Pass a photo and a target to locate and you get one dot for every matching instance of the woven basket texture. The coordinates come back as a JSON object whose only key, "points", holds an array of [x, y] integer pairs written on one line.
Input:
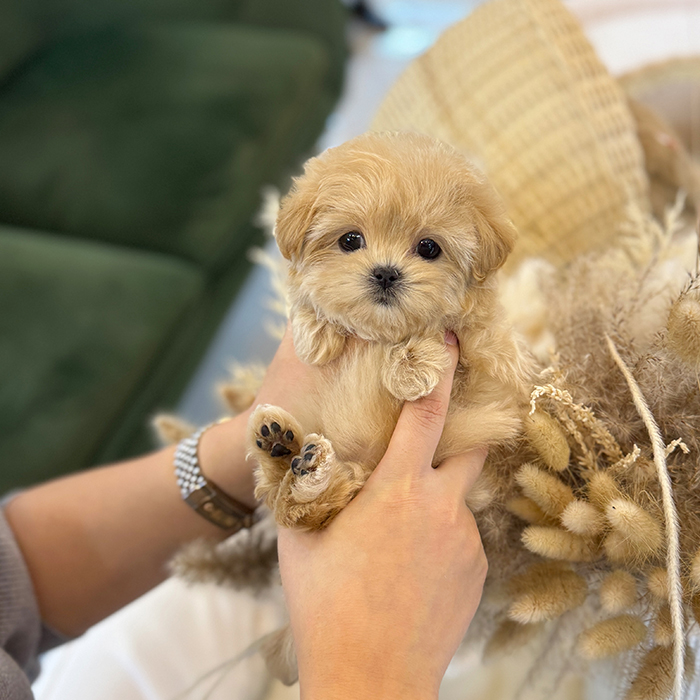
{"points": [[518, 87]]}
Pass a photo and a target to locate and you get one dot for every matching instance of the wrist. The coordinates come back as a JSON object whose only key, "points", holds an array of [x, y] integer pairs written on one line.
{"points": [[324, 677], [222, 459], [360, 685]]}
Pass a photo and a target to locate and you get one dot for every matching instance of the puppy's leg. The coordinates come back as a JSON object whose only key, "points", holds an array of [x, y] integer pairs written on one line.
{"points": [[274, 437], [317, 487], [316, 342], [413, 369], [479, 424]]}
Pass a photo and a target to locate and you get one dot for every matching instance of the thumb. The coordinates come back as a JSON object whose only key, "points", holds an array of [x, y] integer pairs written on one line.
{"points": [[420, 424], [463, 470]]}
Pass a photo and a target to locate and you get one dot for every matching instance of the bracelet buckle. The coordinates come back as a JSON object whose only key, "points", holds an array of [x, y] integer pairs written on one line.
{"points": [[218, 508]]}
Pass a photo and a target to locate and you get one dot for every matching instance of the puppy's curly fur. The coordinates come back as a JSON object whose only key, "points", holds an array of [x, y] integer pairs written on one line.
{"points": [[392, 240]]}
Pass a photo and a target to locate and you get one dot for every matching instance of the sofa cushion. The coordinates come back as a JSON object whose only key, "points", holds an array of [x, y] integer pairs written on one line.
{"points": [[158, 137], [323, 19], [81, 325], [20, 35]]}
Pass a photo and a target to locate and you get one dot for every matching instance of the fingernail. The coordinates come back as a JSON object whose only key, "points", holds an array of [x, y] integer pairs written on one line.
{"points": [[450, 338]]}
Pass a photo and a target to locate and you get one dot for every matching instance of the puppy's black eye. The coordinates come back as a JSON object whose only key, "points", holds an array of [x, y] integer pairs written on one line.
{"points": [[353, 240], [428, 249]]}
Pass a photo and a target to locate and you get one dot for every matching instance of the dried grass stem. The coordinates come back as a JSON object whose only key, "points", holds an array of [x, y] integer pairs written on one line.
{"points": [[673, 552]]}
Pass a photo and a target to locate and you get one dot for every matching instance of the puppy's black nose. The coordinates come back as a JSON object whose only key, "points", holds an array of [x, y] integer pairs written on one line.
{"points": [[386, 276]]}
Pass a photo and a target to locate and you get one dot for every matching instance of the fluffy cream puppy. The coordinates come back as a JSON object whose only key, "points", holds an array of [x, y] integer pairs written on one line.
{"points": [[392, 240]]}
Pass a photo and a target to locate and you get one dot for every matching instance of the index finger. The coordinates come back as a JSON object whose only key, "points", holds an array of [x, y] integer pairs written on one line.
{"points": [[420, 424]]}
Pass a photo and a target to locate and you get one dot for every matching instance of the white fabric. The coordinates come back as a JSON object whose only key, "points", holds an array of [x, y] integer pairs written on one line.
{"points": [[158, 646]]}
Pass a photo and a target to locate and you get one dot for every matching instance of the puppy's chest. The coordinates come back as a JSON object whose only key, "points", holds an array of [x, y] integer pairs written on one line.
{"points": [[356, 412]]}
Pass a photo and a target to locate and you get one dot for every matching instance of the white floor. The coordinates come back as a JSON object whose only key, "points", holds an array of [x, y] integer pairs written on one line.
{"points": [[377, 60]]}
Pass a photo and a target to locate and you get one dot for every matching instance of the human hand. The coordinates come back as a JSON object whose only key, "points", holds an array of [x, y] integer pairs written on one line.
{"points": [[288, 382], [380, 600]]}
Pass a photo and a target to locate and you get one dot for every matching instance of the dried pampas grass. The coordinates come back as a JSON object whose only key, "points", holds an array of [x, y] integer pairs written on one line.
{"points": [[545, 592], [621, 503], [245, 561], [238, 393], [582, 518], [547, 491], [171, 429], [548, 439], [684, 326]]}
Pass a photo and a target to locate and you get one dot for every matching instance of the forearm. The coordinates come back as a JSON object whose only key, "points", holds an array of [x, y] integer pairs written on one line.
{"points": [[97, 540]]}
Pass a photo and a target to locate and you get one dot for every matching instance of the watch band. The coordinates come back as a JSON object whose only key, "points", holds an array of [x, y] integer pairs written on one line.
{"points": [[203, 495]]}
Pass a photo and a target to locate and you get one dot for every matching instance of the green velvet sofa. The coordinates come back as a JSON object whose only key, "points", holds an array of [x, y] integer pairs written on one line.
{"points": [[135, 137]]}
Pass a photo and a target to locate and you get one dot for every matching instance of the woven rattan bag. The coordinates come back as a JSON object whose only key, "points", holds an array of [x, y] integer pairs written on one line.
{"points": [[518, 86]]}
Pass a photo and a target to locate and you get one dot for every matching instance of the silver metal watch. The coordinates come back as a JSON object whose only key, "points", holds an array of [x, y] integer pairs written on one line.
{"points": [[203, 495]]}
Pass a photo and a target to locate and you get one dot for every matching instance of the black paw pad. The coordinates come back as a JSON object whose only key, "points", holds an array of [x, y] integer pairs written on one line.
{"points": [[297, 463], [279, 450], [306, 461], [275, 441]]}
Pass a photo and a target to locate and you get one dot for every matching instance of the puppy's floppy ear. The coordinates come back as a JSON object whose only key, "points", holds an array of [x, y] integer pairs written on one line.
{"points": [[496, 232], [294, 220]]}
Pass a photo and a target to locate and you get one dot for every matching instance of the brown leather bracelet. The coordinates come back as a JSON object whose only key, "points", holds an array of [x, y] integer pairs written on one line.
{"points": [[203, 495]]}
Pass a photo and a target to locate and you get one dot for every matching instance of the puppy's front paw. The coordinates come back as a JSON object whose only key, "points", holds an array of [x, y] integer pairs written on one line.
{"points": [[274, 437], [413, 369], [317, 486], [311, 469]]}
